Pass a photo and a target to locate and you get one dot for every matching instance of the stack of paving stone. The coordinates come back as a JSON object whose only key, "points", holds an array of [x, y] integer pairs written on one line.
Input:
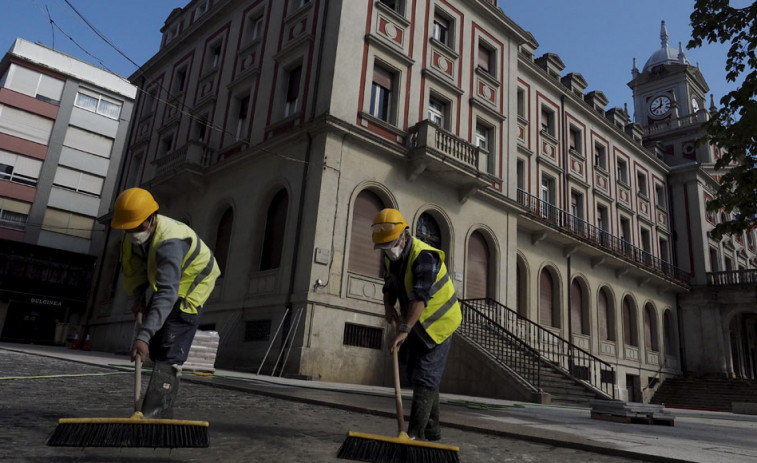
{"points": [[630, 412], [202, 354]]}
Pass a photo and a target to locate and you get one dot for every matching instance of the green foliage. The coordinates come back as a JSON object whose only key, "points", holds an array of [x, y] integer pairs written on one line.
{"points": [[733, 127]]}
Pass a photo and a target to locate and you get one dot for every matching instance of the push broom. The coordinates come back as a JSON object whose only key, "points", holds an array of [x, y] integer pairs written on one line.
{"points": [[383, 449], [136, 431]]}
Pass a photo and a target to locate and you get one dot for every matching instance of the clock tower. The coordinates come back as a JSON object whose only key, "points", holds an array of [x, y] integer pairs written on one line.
{"points": [[669, 98]]}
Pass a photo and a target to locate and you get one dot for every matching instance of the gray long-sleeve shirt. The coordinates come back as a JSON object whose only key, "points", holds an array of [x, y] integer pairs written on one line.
{"points": [[168, 258]]}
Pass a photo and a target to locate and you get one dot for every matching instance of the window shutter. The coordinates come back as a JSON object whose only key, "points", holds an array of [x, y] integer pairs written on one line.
{"points": [[273, 239], [363, 258], [545, 299], [576, 304], [483, 58], [477, 281], [382, 77], [604, 328]]}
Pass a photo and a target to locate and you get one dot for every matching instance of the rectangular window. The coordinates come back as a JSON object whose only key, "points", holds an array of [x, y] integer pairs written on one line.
{"points": [[33, 84], [180, 81], [574, 139], [201, 128], [68, 223], [293, 91], [437, 112], [600, 156], [520, 168], [441, 29], [13, 213], [19, 169], [603, 223], [96, 103], [214, 56], [362, 336], [88, 142], [396, 5], [80, 182], [485, 60], [166, 146], [625, 234], [243, 104], [26, 125], [664, 251], [622, 171], [660, 195], [255, 25], [482, 137], [382, 94], [548, 121], [646, 245], [641, 183], [521, 103]]}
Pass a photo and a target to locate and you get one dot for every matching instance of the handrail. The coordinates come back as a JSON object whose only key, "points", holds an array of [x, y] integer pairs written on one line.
{"points": [[583, 230], [549, 346], [506, 348]]}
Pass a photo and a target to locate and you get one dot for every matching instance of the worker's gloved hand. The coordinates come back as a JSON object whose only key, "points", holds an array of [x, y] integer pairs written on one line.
{"points": [[139, 348]]}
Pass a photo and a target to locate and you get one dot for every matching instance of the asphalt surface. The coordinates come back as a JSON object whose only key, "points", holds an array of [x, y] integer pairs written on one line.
{"points": [[263, 419]]}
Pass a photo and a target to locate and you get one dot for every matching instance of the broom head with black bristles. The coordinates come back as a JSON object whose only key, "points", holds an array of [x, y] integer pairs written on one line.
{"points": [[382, 449], [136, 431]]}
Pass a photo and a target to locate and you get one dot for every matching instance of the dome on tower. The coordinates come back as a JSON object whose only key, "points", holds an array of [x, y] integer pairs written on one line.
{"points": [[666, 54]]}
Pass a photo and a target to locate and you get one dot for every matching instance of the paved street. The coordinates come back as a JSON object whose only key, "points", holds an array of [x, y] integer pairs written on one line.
{"points": [[244, 426]]}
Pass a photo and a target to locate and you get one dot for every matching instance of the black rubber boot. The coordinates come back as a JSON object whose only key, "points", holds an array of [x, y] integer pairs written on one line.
{"points": [[433, 431], [423, 402], [161, 392]]}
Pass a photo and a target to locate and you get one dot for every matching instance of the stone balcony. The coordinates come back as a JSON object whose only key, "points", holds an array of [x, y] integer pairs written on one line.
{"points": [[193, 156], [450, 158]]}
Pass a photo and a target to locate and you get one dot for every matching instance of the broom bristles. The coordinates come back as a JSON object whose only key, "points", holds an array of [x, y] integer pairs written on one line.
{"points": [[382, 449], [129, 432]]}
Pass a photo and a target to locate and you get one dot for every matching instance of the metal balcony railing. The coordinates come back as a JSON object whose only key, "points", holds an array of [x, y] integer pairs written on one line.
{"points": [[524, 345], [579, 228], [732, 277]]}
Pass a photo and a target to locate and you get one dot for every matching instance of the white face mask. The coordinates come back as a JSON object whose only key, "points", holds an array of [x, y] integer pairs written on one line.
{"points": [[140, 238], [394, 253]]}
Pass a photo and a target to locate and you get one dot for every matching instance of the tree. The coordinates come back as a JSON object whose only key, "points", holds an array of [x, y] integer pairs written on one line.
{"points": [[733, 127]]}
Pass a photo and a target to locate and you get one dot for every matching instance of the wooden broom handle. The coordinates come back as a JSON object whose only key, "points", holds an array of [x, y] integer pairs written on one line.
{"points": [[397, 392], [138, 372]]}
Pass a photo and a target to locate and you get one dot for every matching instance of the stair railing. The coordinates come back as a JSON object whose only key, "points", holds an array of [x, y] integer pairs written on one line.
{"points": [[543, 343]]}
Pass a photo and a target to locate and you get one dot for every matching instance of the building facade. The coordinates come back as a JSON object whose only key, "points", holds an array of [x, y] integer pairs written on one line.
{"points": [[277, 129], [63, 125]]}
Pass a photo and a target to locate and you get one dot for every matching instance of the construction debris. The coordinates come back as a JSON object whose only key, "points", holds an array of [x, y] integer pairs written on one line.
{"points": [[202, 354]]}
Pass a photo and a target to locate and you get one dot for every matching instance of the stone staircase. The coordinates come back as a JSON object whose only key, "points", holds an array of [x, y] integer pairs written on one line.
{"points": [[705, 394], [563, 389]]}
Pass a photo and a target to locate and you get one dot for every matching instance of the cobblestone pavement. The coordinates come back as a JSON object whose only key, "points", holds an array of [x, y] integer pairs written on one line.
{"points": [[244, 427]]}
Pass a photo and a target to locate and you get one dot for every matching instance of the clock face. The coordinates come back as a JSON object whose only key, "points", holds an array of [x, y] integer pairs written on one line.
{"points": [[659, 106]]}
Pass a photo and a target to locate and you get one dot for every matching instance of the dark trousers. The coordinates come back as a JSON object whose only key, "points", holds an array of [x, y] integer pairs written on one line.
{"points": [[172, 341], [424, 365]]}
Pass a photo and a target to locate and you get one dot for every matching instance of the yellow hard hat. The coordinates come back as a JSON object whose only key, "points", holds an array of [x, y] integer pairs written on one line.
{"points": [[133, 206], [388, 225]]}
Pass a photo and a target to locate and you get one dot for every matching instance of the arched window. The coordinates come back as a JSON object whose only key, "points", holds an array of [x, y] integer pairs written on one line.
{"points": [[578, 315], [223, 237], [477, 267], [548, 308], [273, 237], [363, 258], [427, 230], [630, 335], [650, 329], [606, 317]]}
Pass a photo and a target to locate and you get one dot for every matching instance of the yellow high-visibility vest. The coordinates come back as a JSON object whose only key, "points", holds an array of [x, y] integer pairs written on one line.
{"points": [[199, 269], [442, 314]]}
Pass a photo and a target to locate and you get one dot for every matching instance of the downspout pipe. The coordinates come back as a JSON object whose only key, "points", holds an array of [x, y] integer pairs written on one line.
{"points": [[566, 207]]}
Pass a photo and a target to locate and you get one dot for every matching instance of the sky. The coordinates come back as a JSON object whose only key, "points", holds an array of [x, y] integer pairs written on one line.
{"points": [[596, 38]]}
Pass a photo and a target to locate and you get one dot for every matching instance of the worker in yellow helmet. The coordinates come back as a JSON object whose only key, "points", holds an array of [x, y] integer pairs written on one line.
{"points": [[416, 276], [168, 259]]}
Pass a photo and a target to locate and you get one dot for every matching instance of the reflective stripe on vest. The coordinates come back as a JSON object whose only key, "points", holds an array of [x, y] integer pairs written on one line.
{"points": [[442, 315]]}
